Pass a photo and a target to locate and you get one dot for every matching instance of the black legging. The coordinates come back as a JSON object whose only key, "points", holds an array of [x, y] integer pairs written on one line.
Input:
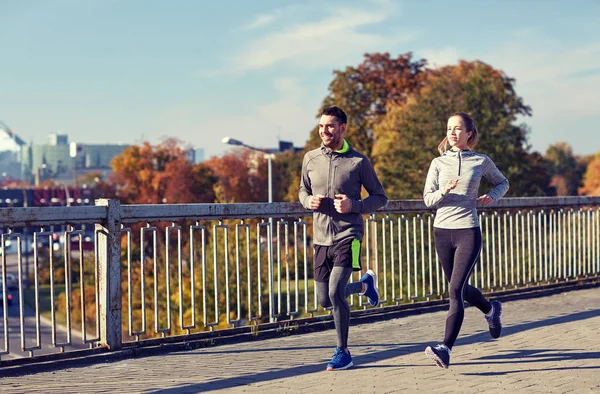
{"points": [[458, 251]]}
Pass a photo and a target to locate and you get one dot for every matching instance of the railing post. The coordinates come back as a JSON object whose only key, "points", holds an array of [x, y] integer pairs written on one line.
{"points": [[109, 267]]}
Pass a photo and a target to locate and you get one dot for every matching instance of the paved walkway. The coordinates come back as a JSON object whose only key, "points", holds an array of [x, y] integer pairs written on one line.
{"points": [[549, 345]]}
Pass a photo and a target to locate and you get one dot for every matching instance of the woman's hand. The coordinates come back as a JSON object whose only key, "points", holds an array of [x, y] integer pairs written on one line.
{"points": [[450, 185], [485, 200]]}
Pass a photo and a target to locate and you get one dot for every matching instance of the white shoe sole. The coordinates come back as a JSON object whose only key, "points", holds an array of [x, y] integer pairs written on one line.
{"points": [[431, 354], [340, 369], [374, 276]]}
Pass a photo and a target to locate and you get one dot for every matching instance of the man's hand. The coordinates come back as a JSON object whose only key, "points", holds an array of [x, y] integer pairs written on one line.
{"points": [[485, 200], [342, 203], [315, 201]]}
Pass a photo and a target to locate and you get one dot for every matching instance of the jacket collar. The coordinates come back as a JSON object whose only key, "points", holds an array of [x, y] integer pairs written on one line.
{"points": [[346, 147], [454, 153]]}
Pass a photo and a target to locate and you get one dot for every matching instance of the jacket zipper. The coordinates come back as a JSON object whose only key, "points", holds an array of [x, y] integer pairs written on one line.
{"points": [[330, 229]]}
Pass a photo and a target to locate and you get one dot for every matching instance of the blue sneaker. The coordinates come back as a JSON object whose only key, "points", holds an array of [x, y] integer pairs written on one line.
{"points": [[372, 293], [340, 360]]}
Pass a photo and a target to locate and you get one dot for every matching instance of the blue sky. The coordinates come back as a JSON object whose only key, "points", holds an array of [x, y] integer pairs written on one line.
{"points": [[126, 71]]}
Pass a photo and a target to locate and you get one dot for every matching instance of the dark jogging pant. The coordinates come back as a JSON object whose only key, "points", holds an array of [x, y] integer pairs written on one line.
{"points": [[458, 251]]}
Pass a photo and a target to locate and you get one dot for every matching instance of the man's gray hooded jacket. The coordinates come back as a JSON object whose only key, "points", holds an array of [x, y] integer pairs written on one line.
{"points": [[328, 173]]}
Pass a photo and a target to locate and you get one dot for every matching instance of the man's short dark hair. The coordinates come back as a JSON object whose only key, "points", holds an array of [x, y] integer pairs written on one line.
{"points": [[336, 112]]}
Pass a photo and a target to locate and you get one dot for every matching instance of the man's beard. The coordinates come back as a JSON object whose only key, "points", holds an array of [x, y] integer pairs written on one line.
{"points": [[333, 142]]}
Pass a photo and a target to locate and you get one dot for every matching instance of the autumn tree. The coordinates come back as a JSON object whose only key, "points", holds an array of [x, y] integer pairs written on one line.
{"points": [[591, 178], [242, 176], [158, 174], [365, 91], [153, 174], [408, 136], [9, 183]]}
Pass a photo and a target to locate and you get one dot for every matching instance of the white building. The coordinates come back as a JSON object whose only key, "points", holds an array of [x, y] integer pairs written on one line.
{"points": [[60, 158], [10, 153]]}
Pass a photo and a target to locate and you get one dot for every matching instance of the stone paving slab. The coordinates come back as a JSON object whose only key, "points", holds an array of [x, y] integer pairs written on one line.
{"points": [[548, 345]]}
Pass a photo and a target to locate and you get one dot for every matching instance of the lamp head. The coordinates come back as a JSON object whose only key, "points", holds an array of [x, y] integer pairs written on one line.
{"points": [[231, 141]]}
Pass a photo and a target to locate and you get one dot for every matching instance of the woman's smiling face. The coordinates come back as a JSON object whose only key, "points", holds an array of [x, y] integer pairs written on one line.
{"points": [[457, 133]]}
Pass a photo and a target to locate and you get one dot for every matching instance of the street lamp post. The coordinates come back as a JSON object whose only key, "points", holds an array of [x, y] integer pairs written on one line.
{"points": [[269, 156], [270, 177], [40, 174]]}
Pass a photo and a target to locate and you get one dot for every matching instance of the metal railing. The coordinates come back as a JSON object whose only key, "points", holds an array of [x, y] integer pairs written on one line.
{"points": [[155, 271]]}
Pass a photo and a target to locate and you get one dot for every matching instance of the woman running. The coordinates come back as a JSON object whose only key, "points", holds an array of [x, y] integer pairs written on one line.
{"points": [[452, 185]]}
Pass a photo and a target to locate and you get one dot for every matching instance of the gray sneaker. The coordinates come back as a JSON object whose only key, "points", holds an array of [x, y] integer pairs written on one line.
{"points": [[440, 354], [494, 320]]}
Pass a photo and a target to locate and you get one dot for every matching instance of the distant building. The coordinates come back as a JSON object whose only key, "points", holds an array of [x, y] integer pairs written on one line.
{"points": [[196, 155], [56, 139], [286, 146], [10, 153], [59, 159], [282, 146], [100, 156]]}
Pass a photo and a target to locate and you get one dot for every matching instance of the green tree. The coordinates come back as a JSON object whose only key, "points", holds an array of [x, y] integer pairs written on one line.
{"points": [[289, 166], [566, 169], [408, 136]]}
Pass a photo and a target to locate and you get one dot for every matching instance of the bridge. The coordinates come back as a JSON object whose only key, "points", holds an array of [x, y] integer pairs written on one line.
{"points": [[540, 256]]}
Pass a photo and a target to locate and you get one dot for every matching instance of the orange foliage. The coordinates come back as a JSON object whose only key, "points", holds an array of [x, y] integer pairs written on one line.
{"points": [[366, 91], [591, 178], [242, 176], [162, 173]]}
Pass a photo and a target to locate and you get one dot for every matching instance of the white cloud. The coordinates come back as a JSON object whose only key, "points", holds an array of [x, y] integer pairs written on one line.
{"points": [[262, 20], [315, 44]]}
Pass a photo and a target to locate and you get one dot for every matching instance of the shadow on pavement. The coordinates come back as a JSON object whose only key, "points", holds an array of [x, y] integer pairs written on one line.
{"points": [[396, 350], [536, 356]]}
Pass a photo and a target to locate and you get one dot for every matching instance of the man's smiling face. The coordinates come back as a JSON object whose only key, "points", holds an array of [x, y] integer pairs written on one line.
{"points": [[332, 132]]}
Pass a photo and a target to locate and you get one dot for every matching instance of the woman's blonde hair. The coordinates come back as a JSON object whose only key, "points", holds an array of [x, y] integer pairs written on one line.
{"points": [[470, 125]]}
